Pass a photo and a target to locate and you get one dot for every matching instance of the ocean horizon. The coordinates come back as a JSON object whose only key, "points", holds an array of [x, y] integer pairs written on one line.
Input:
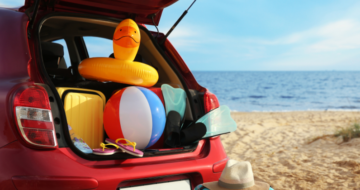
{"points": [[264, 91]]}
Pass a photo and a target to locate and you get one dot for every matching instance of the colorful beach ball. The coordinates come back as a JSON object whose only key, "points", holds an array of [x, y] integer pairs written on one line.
{"points": [[136, 114]]}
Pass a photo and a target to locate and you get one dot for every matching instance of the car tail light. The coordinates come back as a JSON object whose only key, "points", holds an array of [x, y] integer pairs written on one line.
{"points": [[33, 116], [210, 101]]}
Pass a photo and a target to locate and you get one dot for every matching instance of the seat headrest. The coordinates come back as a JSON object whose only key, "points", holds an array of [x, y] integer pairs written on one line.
{"points": [[51, 53], [52, 49]]}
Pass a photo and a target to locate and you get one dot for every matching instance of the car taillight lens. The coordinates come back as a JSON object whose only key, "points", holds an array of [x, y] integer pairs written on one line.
{"points": [[210, 101], [33, 116]]}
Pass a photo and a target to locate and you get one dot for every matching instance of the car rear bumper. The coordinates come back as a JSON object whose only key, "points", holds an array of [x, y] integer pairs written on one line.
{"points": [[60, 168]]}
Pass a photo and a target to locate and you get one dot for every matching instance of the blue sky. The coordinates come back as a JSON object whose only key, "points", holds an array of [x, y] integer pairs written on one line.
{"points": [[263, 35]]}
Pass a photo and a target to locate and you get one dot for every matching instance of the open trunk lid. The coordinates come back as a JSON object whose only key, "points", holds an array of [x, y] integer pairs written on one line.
{"points": [[139, 10]]}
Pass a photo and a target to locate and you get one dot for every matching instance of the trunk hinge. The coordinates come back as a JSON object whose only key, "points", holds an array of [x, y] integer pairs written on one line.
{"points": [[33, 9]]}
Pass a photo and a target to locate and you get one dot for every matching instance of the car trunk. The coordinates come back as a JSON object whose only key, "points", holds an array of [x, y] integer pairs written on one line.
{"points": [[145, 12], [72, 29]]}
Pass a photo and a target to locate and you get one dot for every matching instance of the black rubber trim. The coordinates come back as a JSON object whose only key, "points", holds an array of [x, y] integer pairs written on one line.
{"points": [[55, 111], [62, 116]]}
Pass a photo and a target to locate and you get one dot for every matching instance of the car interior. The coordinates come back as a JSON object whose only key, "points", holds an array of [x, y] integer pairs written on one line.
{"points": [[72, 30]]}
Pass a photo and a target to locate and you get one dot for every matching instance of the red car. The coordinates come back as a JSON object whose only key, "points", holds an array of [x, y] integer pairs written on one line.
{"points": [[41, 155]]}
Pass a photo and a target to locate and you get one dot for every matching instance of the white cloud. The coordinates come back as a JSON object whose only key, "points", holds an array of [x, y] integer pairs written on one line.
{"points": [[186, 38], [329, 46], [339, 35]]}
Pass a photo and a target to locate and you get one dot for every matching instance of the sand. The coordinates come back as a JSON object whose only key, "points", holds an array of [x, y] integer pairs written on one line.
{"points": [[277, 145]]}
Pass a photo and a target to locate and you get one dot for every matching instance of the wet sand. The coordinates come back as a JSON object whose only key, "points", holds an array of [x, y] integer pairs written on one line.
{"points": [[283, 153]]}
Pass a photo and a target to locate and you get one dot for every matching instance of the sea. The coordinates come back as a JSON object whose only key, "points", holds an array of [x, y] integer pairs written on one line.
{"points": [[264, 91]]}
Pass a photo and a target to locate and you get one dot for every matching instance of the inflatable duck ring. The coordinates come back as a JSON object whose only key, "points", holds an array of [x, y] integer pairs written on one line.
{"points": [[122, 69]]}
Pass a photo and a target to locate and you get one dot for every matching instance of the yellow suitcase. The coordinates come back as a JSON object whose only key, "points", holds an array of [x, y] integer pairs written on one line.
{"points": [[84, 113]]}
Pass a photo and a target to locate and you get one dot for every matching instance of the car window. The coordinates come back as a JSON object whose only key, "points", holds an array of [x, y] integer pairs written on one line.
{"points": [[98, 47], [66, 51]]}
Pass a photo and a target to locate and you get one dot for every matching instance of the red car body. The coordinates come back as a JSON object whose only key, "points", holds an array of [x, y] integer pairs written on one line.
{"points": [[25, 167]]}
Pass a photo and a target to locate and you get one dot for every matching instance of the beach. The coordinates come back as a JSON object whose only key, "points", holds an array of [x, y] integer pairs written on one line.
{"points": [[284, 152]]}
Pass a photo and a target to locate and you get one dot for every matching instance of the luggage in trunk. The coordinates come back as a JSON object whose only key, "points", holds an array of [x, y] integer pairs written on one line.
{"points": [[84, 112]]}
